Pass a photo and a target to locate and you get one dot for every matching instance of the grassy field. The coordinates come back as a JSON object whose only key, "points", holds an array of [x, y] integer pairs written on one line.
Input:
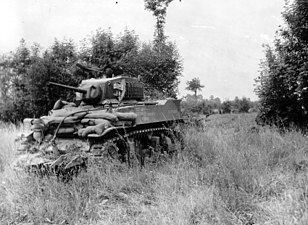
{"points": [[231, 172]]}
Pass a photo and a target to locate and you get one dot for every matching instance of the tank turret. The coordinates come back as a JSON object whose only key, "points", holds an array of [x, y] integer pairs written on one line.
{"points": [[111, 90]]}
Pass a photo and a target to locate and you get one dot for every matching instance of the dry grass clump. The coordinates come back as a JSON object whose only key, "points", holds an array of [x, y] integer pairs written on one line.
{"points": [[251, 166], [232, 172]]}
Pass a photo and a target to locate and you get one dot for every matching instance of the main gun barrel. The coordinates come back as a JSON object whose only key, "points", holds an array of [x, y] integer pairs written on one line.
{"points": [[69, 87]]}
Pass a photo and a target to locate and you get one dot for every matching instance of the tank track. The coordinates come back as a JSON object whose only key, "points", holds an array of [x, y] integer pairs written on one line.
{"points": [[138, 135], [130, 154], [125, 154]]}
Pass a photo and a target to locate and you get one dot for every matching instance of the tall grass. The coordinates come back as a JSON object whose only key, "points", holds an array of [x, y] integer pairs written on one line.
{"points": [[231, 172]]}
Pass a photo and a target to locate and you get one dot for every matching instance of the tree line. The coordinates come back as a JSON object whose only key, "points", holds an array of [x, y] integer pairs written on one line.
{"points": [[192, 104], [282, 85], [197, 105], [25, 73]]}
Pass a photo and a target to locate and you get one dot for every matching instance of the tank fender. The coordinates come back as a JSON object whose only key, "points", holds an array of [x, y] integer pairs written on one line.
{"points": [[107, 131]]}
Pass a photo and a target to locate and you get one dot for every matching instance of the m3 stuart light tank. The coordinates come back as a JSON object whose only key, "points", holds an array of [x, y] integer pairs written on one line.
{"points": [[112, 120]]}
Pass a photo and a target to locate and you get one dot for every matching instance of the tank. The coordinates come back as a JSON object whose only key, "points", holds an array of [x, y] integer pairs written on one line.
{"points": [[110, 119]]}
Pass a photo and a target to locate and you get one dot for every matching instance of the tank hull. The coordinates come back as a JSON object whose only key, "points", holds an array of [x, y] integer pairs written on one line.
{"points": [[64, 140]]}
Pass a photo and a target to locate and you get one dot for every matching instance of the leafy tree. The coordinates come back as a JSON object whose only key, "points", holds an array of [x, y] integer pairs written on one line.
{"points": [[283, 82], [104, 55], [128, 45], [226, 106], [194, 85], [5, 79], [111, 56], [160, 71], [59, 59], [244, 105], [124, 54], [19, 64], [37, 88], [162, 63], [159, 9], [54, 66], [25, 90]]}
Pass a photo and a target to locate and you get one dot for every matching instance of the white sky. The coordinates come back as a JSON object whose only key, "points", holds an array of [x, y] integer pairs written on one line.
{"points": [[220, 41]]}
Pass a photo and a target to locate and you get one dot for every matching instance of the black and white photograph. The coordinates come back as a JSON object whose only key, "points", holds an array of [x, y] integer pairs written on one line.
{"points": [[154, 112]]}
